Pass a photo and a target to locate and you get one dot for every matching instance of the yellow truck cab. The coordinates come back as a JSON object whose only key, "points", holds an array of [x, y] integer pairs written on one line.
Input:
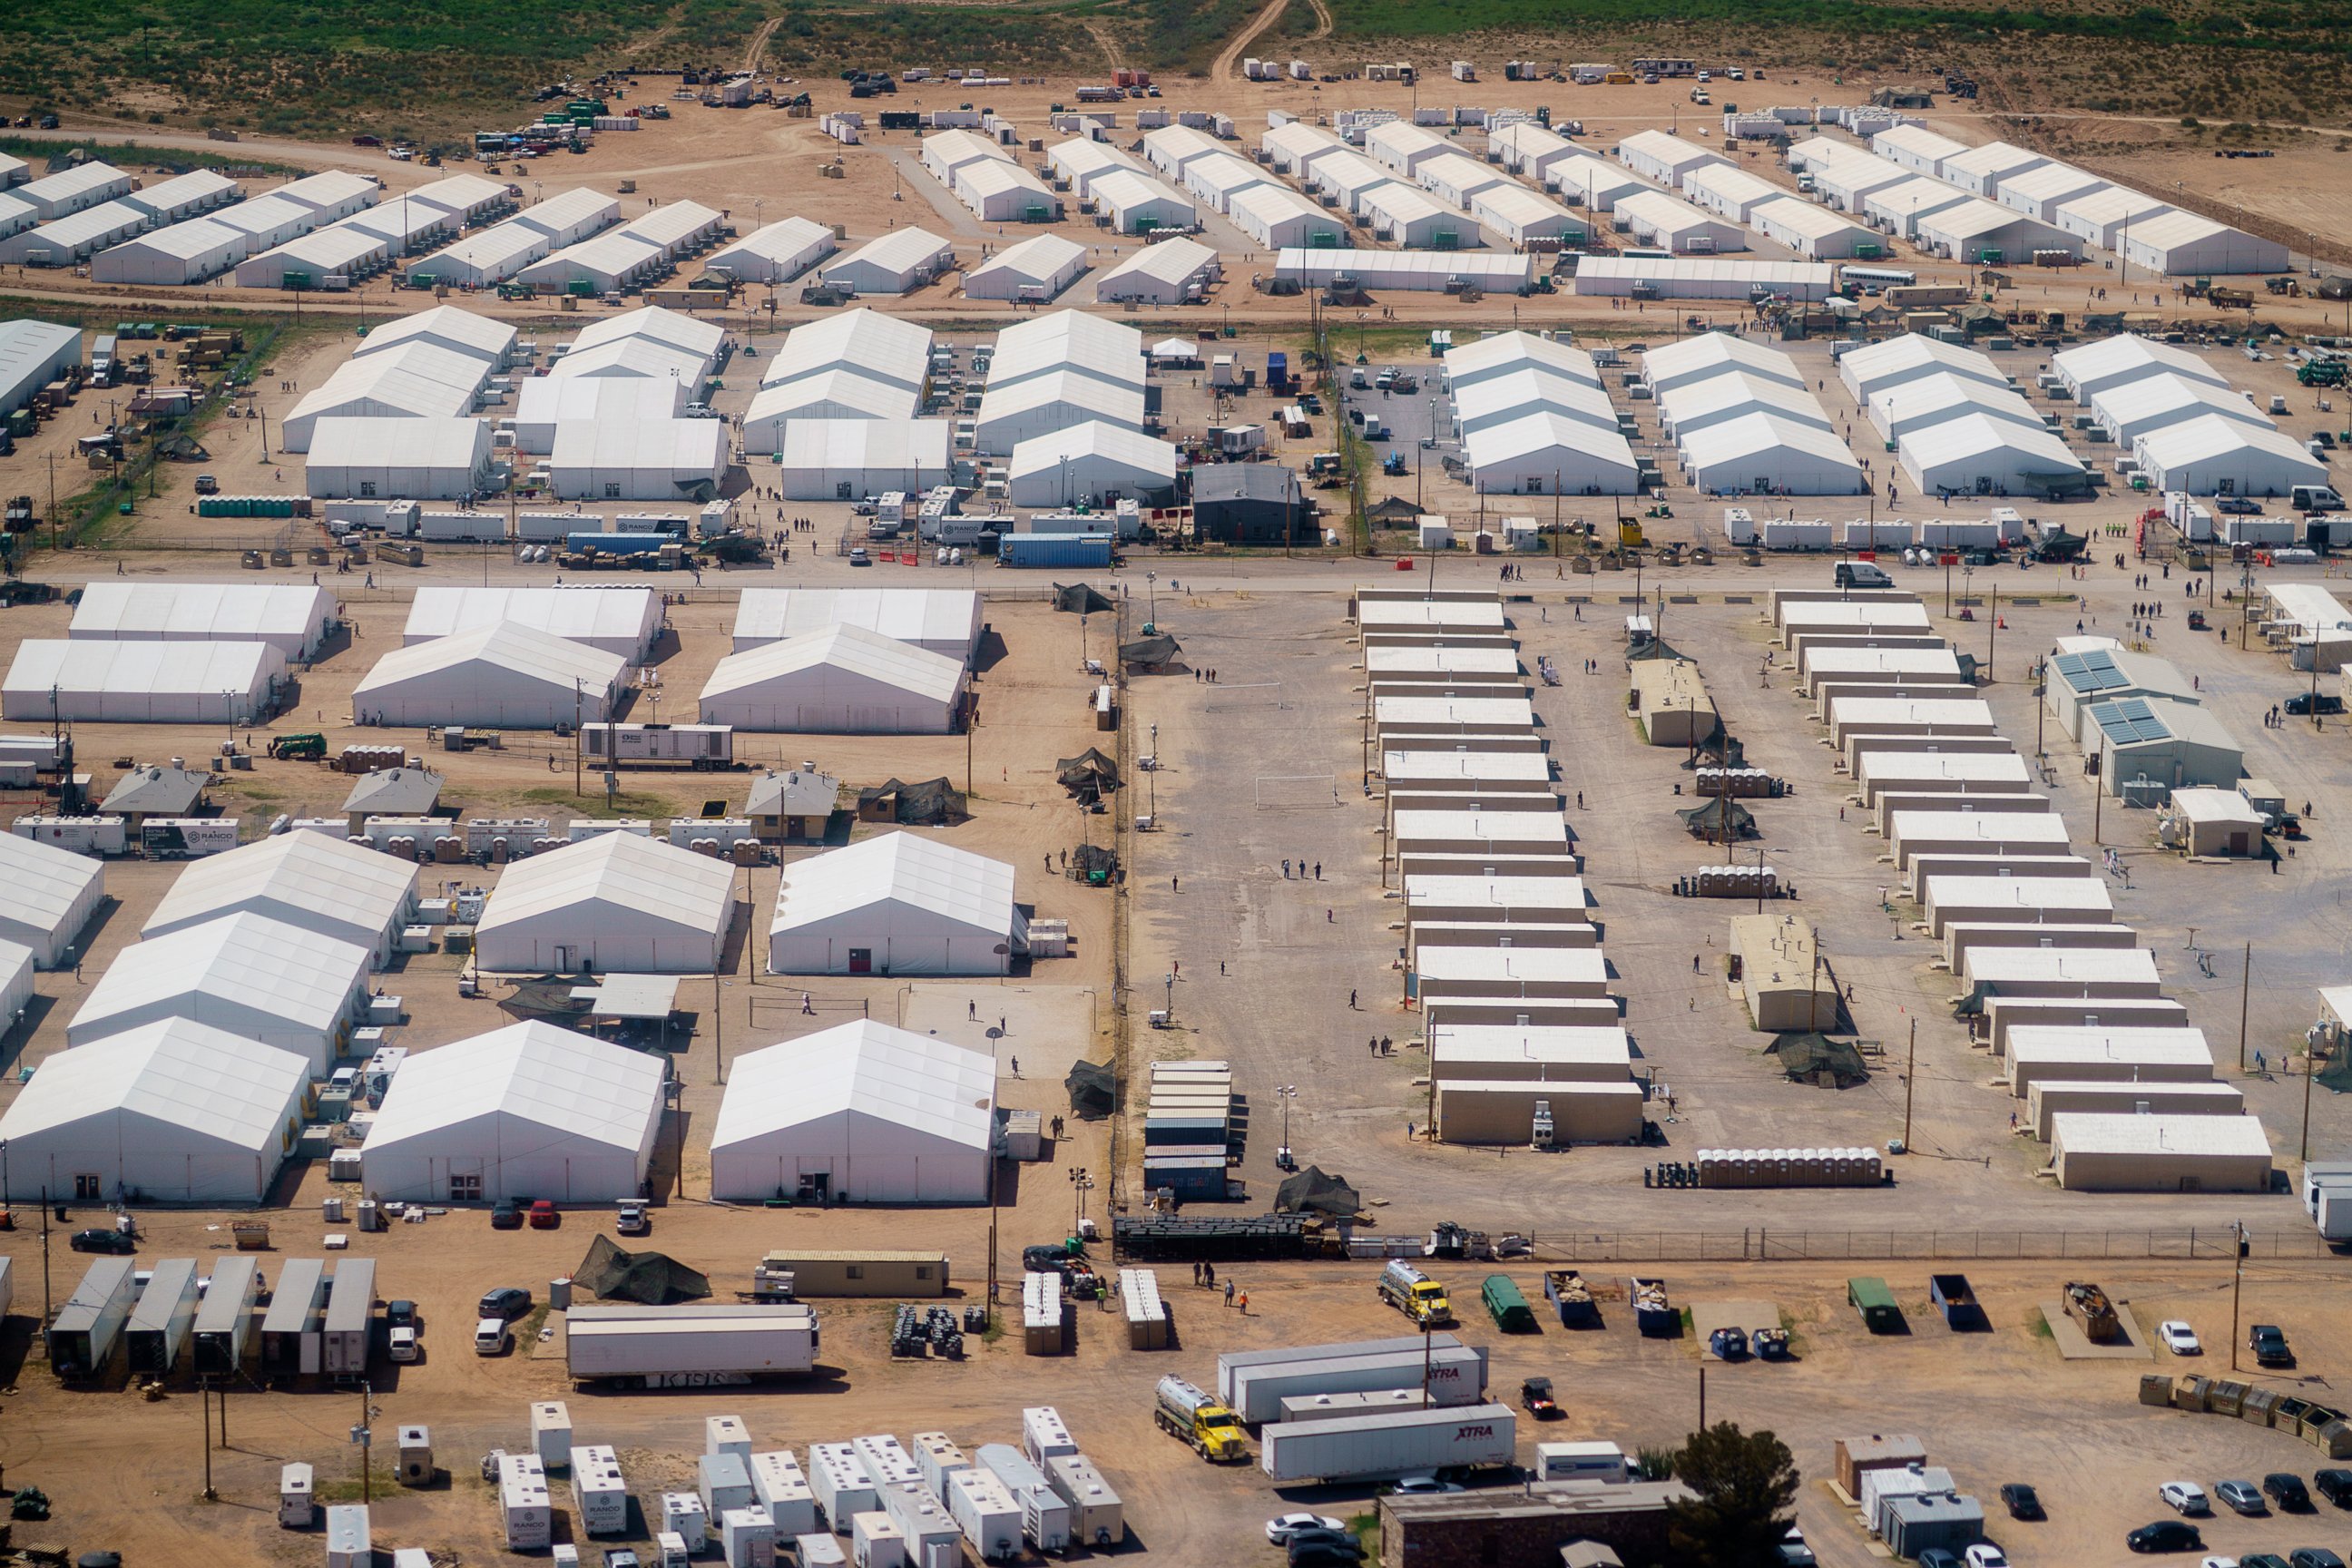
{"points": [[1415, 1294]]}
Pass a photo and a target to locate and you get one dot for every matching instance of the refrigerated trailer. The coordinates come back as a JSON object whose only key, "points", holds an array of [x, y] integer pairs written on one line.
{"points": [[289, 1331], [1454, 1374], [1382, 1447], [225, 1320], [82, 1339], [161, 1322], [685, 1347], [351, 1320], [1236, 1366]]}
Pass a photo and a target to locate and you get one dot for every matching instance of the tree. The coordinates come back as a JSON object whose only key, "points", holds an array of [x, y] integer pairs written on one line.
{"points": [[1745, 1484]]}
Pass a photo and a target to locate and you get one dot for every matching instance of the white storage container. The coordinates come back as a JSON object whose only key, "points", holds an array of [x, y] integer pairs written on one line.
{"points": [[986, 1513], [747, 1538], [722, 1481], [727, 1435], [820, 1552], [932, 1538], [669, 1549], [937, 1458], [550, 1433], [1042, 1435], [298, 1502], [522, 1498], [350, 1544], [1098, 1518], [838, 1478], [563, 1554], [600, 1496], [684, 1512], [1044, 1517], [783, 1491], [876, 1542]]}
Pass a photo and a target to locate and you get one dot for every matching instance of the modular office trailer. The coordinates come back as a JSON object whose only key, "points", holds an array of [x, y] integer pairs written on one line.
{"points": [[225, 1320], [783, 1491], [289, 1334], [82, 1339], [987, 1514], [528, 1514], [886, 1460], [1382, 1447], [351, 1320], [933, 1539], [160, 1324], [838, 1478]]}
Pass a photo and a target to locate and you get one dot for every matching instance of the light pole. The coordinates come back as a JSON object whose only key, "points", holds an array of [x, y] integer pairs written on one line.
{"points": [[2238, 1237], [1152, 598], [1081, 1183], [1154, 785], [1287, 1092]]}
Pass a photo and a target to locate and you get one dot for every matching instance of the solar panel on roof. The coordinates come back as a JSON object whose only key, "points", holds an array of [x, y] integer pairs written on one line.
{"points": [[2129, 722], [2092, 671]]}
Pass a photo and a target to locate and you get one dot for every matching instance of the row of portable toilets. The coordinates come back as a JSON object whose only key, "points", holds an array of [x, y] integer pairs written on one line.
{"points": [[1790, 1167]]}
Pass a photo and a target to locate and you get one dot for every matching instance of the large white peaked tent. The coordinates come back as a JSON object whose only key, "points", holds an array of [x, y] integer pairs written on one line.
{"points": [[170, 1110], [615, 903], [322, 884], [504, 677], [898, 904], [16, 983], [624, 621], [944, 620], [247, 974], [99, 681], [530, 1110], [861, 1113], [839, 679], [52, 893], [290, 617]]}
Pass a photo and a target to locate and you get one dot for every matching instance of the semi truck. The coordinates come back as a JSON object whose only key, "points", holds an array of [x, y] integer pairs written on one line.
{"points": [[1187, 1412], [1385, 1446], [1414, 1293], [690, 1346]]}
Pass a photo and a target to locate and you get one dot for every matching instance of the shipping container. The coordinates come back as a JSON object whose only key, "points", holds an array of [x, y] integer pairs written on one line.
{"points": [[1580, 1462], [1382, 1447], [290, 1328], [1053, 550], [81, 834], [987, 1514], [682, 1512], [82, 1338], [351, 1320], [838, 1478], [876, 1540], [187, 837], [782, 1489], [862, 1272], [600, 1496], [1869, 1295], [1098, 1518], [684, 1346], [1232, 1364], [225, 1320], [161, 1322]]}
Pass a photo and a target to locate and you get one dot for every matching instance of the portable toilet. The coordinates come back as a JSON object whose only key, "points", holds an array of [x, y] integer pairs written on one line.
{"points": [[298, 1503], [348, 1541], [416, 1456]]}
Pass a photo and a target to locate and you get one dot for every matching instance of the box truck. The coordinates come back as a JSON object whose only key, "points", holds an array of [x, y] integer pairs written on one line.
{"points": [[1384, 1446], [688, 1346], [166, 1312], [82, 1338]]}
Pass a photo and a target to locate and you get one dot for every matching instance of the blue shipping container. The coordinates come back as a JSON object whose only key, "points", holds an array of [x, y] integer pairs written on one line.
{"points": [[1187, 1178], [618, 544], [1053, 550]]}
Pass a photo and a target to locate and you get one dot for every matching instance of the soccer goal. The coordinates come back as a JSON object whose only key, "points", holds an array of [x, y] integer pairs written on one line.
{"points": [[1297, 791]]}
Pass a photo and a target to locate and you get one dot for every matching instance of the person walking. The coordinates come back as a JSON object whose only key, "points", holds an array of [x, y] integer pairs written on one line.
{"points": [[1229, 1292], [1245, 1303], [1352, 1000]]}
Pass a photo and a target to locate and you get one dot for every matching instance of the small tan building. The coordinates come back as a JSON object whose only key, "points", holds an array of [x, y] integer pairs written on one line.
{"points": [[2095, 1152], [907, 1274], [1957, 713], [1529, 973], [2210, 822], [2086, 974], [1503, 1110], [1669, 702], [1782, 973], [2003, 1013], [1539, 1053], [2079, 1053], [1913, 833], [2050, 1098], [2015, 901], [1941, 772]]}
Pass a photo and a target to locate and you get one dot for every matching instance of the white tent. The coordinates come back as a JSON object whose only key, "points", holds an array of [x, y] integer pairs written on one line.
{"points": [[1849, 182], [445, 327], [416, 379], [624, 621], [1218, 180], [1695, 359], [545, 404], [841, 460], [2040, 193], [859, 1113], [1770, 453], [186, 252], [1532, 388], [1414, 220], [616, 902], [898, 904], [2104, 217], [950, 151], [1515, 215], [1427, 272], [2092, 368], [613, 458], [776, 254], [1136, 203], [1171, 148], [1093, 462], [1932, 399], [1457, 179], [398, 459], [52, 893], [898, 262], [1546, 453], [606, 262], [331, 192], [480, 260], [1980, 171], [1035, 270], [1811, 230], [1276, 217], [840, 680], [2218, 455], [290, 617], [1001, 191], [2180, 244], [142, 682], [1167, 273], [838, 395], [529, 1111], [940, 620], [1291, 146], [571, 217], [16, 983], [260, 978], [502, 677], [1917, 148], [320, 883], [1984, 233], [1056, 400], [1593, 183], [1729, 191], [2139, 407], [173, 1111], [1868, 372], [1657, 155], [1082, 160], [1977, 453], [1402, 147], [1093, 345], [1347, 178], [878, 347], [1501, 353], [312, 259], [1900, 208]]}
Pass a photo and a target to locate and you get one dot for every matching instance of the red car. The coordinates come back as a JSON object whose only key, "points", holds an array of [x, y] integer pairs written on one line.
{"points": [[543, 1216]]}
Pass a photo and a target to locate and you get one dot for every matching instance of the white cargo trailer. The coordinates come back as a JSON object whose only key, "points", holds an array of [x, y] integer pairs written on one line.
{"points": [[600, 1495], [550, 1433], [683, 1512], [933, 1539], [986, 1513], [722, 1481], [887, 1461], [297, 1500], [1456, 1375], [876, 1541], [1233, 1363], [526, 1512], [1044, 1434], [839, 1479], [1382, 1447], [783, 1491], [350, 1543], [162, 1321], [937, 1456], [350, 1319], [747, 1538], [682, 1347], [727, 1435], [82, 1338], [290, 1335], [819, 1551], [1044, 1517], [1096, 1515]]}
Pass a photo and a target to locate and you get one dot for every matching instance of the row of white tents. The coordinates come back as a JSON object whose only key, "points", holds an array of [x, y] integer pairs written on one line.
{"points": [[1743, 420], [1533, 419]]}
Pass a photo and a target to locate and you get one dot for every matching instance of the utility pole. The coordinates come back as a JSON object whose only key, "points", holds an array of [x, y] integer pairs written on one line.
{"points": [[1910, 1083], [1702, 1396], [2310, 1071], [1992, 630], [1426, 1326], [365, 1439], [2245, 994], [579, 695], [47, 1309], [2237, 1282], [204, 1392]]}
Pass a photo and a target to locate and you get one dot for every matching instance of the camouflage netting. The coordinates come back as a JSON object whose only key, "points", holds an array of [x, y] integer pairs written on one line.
{"points": [[1079, 599], [1088, 775], [1314, 1191], [1089, 1084], [1151, 652], [1720, 817], [648, 1279], [1816, 1058], [933, 803]]}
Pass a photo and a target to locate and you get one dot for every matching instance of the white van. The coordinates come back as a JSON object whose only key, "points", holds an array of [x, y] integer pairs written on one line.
{"points": [[492, 1337]]}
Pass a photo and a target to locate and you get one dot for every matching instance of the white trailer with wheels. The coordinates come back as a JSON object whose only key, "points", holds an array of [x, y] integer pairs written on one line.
{"points": [[987, 1514], [1098, 1518], [1382, 1447], [1045, 1516], [784, 1491], [838, 1478], [600, 1496], [225, 1320]]}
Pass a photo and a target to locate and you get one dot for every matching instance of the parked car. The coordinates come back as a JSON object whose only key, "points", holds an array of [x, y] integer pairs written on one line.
{"points": [[1795, 1551], [1985, 1555], [1280, 1528], [1423, 1486], [2178, 1337], [401, 1314], [2300, 704], [1326, 1549], [2336, 1486], [108, 1240], [506, 1216], [399, 1343], [506, 1301], [857, 557], [2188, 1497], [2166, 1535], [2285, 1489], [543, 1216], [2242, 1497], [492, 1337], [2268, 1342], [2313, 1557], [2237, 506], [2021, 1501], [633, 1220], [1936, 1557]]}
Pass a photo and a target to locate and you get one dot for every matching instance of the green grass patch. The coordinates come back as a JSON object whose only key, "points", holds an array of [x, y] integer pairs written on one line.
{"points": [[384, 1482], [134, 154]]}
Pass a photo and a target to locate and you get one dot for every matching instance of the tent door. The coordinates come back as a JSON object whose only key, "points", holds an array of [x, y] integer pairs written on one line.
{"points": [[465, 1186], [815, 1188], [861, 961]]}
